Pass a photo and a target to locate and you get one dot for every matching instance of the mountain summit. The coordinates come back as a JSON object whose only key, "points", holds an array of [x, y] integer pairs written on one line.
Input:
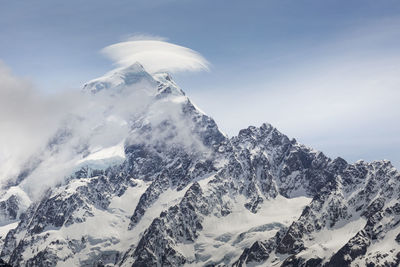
{"points": [[120, 77], [152, 181]]}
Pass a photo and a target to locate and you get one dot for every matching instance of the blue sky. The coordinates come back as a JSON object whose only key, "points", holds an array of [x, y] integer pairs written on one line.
{"points": [[324, 72]]}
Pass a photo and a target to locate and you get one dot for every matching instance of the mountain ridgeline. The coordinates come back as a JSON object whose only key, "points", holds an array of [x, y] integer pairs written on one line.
{"points": [[173, 190]]}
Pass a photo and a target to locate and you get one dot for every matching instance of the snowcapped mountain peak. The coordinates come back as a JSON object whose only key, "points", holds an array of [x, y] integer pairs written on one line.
{"points": [[166, 85], [120, 77], [135, 67], [163, 186]]}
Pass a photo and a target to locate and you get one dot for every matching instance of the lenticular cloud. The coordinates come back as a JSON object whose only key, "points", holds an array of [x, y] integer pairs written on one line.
{"points": [[156, 56]]}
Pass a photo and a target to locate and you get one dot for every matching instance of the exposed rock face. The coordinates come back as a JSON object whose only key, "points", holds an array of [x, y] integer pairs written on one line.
{"points": [[9, 208], [186, 194], [367, 192]]}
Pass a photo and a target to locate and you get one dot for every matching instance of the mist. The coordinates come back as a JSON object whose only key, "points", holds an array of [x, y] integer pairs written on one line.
{"points": [[49, 136]]}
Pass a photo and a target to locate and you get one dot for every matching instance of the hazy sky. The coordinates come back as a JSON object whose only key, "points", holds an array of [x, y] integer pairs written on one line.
{"points": [[324, 72]]}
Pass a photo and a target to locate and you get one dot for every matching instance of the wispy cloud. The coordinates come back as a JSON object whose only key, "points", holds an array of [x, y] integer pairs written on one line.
{"points": [[144, 36], [156, 55], [27, 120]]}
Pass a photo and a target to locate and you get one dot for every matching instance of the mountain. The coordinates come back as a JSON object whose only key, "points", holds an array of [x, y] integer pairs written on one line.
{"points": [[149, 180]]}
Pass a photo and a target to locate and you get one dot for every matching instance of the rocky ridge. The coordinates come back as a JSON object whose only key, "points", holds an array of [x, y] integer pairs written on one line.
{"points": [[186, 194]]}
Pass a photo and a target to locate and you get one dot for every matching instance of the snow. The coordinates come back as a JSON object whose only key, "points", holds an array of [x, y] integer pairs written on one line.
{"points": [[98, 140], [23, 199], [102, 158], [224, 238], [111, 227], [111, 232], [119, 77], [4, 229], [22, 196], [388, 246], [325, 243], [72, 186], [114, 151], [167, 199]]}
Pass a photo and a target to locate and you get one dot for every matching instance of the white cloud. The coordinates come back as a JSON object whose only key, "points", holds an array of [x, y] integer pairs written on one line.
{"points": [[155, 55], [27, 120]]}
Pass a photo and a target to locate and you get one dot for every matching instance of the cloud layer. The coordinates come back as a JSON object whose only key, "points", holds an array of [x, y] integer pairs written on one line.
{"points": [[25, 121], [155, 55]]}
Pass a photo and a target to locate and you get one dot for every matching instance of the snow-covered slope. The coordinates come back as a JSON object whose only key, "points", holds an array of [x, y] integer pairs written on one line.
{"points": [[147, 179]]}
